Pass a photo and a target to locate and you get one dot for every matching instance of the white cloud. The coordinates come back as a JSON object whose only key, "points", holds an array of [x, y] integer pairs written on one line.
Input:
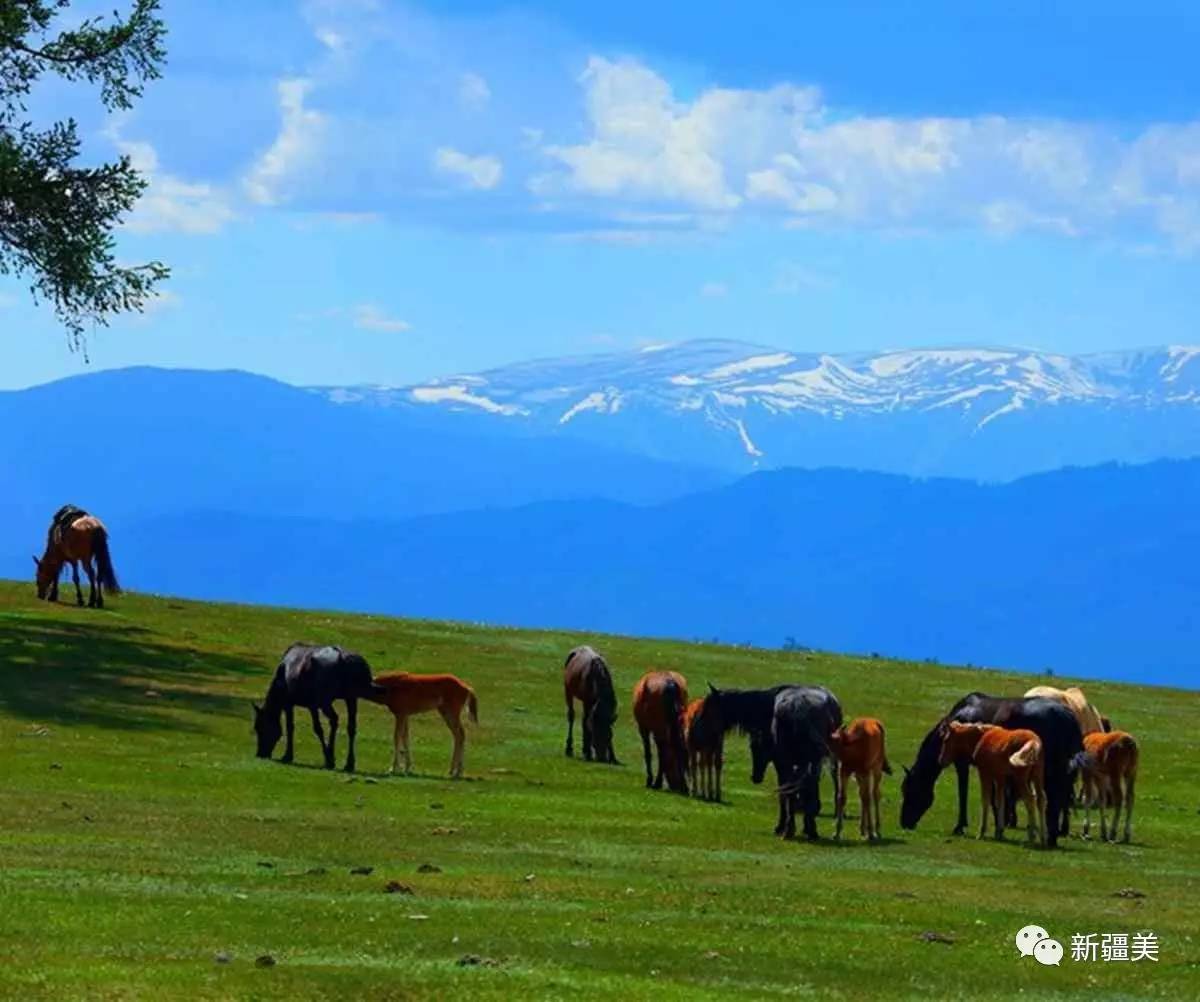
{"points": [[780, 150], [369, 317], [170, 204], [473, 92], [714, 290], [647, 145], [482, 172], [296, 147]]}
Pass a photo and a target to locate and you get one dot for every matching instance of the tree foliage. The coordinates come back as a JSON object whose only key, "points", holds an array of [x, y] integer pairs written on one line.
{"points": [[57, 218]]}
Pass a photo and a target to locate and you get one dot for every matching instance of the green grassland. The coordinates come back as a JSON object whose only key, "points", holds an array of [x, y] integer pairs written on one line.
{"points": [[146, 853]]}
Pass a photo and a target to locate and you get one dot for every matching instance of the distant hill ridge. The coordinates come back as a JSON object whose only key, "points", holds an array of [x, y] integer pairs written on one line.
{"points": [[988, 413]]}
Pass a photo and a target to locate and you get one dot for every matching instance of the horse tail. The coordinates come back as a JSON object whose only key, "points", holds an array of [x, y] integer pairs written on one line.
{"points": [[1027, 754], [472, 706], [673, 708], [1084, 761], [104, 564], [887, 766]]}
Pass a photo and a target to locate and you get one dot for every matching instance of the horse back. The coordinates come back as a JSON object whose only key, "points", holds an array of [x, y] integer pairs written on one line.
{"points": [[405, 692], [657, 696]]}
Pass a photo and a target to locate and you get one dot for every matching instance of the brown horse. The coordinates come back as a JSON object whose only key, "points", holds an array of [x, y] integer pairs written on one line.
{"points": [[1109, 764], [860, 752], [405, 694], [76, 537], [1001, 754], [586, 678], [659, 701], [705, 739]]}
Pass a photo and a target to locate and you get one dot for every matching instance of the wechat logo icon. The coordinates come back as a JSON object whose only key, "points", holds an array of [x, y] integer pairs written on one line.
{"points": [[1034, 941]]}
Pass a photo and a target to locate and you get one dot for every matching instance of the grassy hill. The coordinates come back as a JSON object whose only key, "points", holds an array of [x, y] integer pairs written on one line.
{"points": [[145, 852]]}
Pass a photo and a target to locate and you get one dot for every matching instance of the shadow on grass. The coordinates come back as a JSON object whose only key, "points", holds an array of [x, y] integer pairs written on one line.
{"points": [[99, 674]]}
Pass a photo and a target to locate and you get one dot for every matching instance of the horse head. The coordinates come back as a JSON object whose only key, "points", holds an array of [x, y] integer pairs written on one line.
{"points": [[267, 729], [44, 577], [761, 749]]}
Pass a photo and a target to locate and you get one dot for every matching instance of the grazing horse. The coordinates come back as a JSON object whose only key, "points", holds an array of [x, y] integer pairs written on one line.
{"points": [[705, 741], [803, 719], [76, 537], [1108, 764], [1090, 719], [751, 712], [313, 677], [1049, 720], [859, 749], [405, 694], [1000, 755], [586, 677], [659, 701]]}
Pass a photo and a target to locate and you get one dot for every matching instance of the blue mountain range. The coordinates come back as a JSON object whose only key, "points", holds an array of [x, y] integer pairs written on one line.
{"points": [[226, 485]]}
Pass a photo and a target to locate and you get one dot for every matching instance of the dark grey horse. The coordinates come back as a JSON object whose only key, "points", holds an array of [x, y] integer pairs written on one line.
{"points": [[797, 744], [313, 678], [754, 712]]}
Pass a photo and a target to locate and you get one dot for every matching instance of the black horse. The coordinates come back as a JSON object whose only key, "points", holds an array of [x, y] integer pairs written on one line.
{"points": [[586, 677], [1049, 720], [787, 726], [313, 677]]}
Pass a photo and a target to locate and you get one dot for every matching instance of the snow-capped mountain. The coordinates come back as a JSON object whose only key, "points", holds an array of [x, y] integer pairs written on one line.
{"points": [[990, 413]]}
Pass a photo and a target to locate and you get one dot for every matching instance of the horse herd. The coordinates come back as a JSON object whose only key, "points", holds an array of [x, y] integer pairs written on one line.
{"points": [[1029, 749]]}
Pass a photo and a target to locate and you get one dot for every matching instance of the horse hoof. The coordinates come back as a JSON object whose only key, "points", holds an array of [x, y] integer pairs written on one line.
{"points": [[286, 760]]}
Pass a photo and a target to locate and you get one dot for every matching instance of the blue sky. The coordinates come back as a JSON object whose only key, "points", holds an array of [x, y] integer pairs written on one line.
{"points": [[369, 191]]}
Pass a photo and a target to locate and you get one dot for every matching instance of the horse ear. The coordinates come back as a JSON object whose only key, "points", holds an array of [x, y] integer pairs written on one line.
{"points": [[257, 708], [36, 563], [905, 768], [713, 689]]}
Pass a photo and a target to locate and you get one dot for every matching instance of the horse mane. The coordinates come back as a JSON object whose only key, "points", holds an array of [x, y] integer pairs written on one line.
{"points": [[748, 711]]}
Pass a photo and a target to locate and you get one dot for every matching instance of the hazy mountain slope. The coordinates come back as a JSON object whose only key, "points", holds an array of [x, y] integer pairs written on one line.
{"points": [[1093, 572], [138, 442]]}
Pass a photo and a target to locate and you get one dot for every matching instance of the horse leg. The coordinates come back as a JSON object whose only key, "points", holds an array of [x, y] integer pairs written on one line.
{"points": [[781, 824], [397, 735], [587, 734], [659, 747], [408, 762], [289, 714], [839, 807], [1118, 801], [332, 717], [1055, 805], [95, 593], [964, 777], [646, 752], [456, 730], [720, 764], [1129, 781], [877, 800], [1000, 799], [985, 803], [351, 730], [316, 722], [75, 578], [1010, 803], [570, 750]]}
